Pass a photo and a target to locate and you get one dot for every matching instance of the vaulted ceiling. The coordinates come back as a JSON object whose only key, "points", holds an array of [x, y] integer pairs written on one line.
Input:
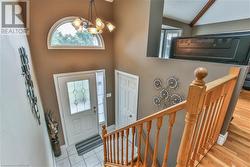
{"points": [[220, 11]]}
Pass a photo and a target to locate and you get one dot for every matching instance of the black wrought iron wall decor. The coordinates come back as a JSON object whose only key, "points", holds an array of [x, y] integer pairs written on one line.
{"points": [[29, 83], [167, 92]]}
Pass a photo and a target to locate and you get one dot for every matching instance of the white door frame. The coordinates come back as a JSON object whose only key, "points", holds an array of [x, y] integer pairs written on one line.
{"points": [[56, 82], [116, 93]]}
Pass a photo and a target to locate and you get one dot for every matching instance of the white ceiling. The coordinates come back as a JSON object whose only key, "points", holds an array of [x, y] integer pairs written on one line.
{"points": [[221, 11]]}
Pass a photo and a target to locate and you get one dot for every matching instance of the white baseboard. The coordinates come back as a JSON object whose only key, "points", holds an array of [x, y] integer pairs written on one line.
{"points": [[222, 138]]}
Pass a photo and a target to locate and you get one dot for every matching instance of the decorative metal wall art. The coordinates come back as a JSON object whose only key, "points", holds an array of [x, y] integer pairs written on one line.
{"points": [[29, 83], [167, 92]]}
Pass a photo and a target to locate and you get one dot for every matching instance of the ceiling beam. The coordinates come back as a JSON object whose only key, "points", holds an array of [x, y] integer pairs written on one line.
{"points": [[202, 12]]}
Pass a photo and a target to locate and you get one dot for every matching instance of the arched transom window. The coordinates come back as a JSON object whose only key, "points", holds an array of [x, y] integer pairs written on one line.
{"points": [[63, 35]]}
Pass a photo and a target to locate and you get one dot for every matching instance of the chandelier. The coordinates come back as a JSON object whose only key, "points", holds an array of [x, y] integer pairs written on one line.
{"points": [[93, 26]]}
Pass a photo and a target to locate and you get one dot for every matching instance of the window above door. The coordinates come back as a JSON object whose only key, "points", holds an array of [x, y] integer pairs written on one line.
{"points": [[63, 35]]}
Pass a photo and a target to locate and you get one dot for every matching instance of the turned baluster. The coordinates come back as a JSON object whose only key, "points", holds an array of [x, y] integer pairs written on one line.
{"points": [[127, 136], [208, 111], [108, 154], [114, 148], [133, 146], [194, 104], [122, 136], [233, 71], [104, 132], [171, 122], [217, 118], [139, 145], [149, 123], [210, 132], [196, 154], [110, 144], [207, 127], [159, 124], [117, 142]]}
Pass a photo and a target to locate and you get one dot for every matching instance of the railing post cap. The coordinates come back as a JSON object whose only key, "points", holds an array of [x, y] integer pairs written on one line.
{"points": [[103, 126], [200, 73]]}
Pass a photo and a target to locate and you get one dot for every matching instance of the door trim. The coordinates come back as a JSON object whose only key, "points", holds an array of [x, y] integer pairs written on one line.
{"points": [[117, 72], [58, 96]]}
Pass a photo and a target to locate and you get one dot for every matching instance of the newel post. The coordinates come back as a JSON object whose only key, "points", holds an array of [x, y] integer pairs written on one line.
{"points": [[195, 100], [104, 132]]}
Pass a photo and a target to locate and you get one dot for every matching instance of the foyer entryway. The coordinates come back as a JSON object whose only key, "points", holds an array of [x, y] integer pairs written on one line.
{"points": [[81, 100]]}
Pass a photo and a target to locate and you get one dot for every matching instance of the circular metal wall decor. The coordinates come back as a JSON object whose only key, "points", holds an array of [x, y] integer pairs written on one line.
{"points": [[157, 83], [175, 98], [172, 83], [157, 101], [164, 94], [167, 95]]}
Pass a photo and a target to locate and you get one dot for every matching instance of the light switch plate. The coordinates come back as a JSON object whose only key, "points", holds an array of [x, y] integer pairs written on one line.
{"points": [[108, 95]]}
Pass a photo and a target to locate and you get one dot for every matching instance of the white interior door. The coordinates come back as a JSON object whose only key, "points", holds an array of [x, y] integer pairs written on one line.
{"points": [[126, 98], [77, 98]]}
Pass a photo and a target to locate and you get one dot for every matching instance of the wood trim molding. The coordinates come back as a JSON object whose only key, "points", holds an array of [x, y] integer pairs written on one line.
{"points": [[202, 12]]}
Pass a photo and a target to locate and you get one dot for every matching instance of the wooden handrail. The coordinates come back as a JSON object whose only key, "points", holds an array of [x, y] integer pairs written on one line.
{"points": [[212, 85], [205, 107], [167, 111]]}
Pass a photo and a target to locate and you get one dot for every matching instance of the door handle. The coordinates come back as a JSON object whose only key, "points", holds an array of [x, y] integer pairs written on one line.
{"points": [[94, 108], [130, 116]]}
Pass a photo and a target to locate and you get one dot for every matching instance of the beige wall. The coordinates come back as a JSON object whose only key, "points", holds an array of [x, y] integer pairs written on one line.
{"points": [[186, 29], [130, 46], [230, 26], [44, 14]]}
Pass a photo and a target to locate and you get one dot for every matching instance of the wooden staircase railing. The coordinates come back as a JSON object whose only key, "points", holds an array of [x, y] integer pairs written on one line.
{"points": [[206, 108], [113, 156]]}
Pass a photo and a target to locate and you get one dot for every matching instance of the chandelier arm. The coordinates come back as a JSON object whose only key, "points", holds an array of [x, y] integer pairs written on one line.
{"points": [[89, 14], [91, 11], [96, 14]]}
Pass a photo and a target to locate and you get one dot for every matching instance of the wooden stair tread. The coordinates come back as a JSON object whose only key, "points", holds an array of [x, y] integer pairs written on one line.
{"points": [[211, 161], [241, 151], [235, 128], [220, 156], [228, 156], [240, 139], [241, 122]]}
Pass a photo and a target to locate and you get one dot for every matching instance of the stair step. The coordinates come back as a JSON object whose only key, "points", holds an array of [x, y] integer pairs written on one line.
{"points": [[241, 131], [241, 139], [241, 151], [228, 156], [211, 161]]}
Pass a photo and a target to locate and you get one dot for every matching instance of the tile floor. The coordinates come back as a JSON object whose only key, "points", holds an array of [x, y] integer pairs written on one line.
{"points": [[70, 158], [94, 158]]}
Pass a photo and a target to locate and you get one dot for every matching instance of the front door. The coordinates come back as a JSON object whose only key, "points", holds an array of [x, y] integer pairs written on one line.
{"points": [[77, 98], [126, 98]]}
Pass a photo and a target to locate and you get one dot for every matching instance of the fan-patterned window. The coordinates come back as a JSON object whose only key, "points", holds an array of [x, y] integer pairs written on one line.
{"points": [[63, 35]]}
